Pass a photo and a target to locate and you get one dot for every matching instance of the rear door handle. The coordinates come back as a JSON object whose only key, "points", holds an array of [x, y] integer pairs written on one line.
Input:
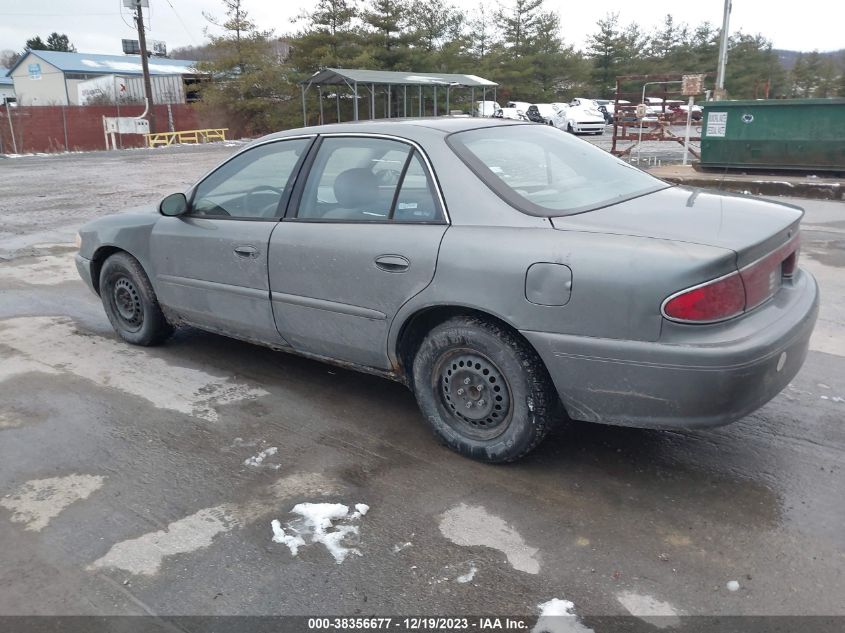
{"points": [[246, 251], [393, 263]]}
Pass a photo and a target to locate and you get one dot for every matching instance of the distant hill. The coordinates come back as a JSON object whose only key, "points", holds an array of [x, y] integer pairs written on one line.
{"points": [[787, 58]]}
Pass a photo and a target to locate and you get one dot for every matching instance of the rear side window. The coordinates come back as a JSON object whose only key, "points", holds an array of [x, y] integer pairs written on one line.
{"points": [[364, 179], [416, 201], [545, 172]]}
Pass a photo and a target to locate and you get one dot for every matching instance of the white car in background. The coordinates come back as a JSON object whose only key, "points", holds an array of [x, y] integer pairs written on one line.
{"points": [[510, 113], [580, 119], [519, 105], [485, 108]]}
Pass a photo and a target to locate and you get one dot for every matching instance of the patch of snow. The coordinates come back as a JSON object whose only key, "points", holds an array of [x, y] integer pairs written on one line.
{"points": [[473, 525], [145, 554], [649, 609], [467, 577], [557, 616], [326, 523], [258, 460], [55, 344], [732, 585], [837, 399], [824, 398], [8, 422], [400, 546], [42, 271], [292, 541], [17, 365], [38, 501]]}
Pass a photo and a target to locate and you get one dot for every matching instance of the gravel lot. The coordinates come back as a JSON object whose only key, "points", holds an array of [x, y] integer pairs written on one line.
{"points": [[126, 485]]}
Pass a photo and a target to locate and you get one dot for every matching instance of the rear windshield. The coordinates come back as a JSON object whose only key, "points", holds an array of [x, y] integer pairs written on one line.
{"points": [[546, 172]]}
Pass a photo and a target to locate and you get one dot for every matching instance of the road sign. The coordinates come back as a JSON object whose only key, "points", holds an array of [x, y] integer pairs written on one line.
{"points": [[692, 85]]}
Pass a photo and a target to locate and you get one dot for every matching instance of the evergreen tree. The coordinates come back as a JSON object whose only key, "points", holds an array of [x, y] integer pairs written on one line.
{"points": [[668, 39], [35, 44], [482, 34], [826, 86], [328, 38], [611, 50], [434, 22], [751, 63], [60, 42], [248, 83], [519, 22], [841, 91], [386, 21]]}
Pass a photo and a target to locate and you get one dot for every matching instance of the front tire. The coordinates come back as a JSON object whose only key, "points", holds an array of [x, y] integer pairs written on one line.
{"points": [[130, 302], [483, 390]]}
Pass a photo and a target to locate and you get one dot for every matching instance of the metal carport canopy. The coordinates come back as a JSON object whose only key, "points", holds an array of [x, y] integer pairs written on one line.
{"points": [[370, 78], [331, 76]]}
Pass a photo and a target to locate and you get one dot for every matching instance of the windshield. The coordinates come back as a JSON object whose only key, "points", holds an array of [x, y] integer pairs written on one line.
{"points": [[546, 172]]}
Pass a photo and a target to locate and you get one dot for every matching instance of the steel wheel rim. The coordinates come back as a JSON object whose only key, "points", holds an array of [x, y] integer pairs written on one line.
{"points": [[473, 393], [127, 304]]}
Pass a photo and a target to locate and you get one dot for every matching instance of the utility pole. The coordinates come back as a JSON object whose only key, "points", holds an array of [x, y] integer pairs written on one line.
{"points": [[723, 53], [145, 66]]}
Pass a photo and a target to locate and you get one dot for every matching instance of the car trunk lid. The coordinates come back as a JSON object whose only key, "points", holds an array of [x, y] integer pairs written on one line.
{"points": [[750, 227]]}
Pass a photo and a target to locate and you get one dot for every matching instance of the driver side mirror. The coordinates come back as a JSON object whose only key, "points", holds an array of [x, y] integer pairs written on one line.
{"points": [[174, 205]]}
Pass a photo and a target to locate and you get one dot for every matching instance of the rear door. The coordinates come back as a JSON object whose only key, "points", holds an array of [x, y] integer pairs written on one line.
{"points": [[362, 237], [210, 265]]}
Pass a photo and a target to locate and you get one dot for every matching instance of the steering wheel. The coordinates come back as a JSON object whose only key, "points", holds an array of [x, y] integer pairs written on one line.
{"points": [[388, 176], [260, 188]]}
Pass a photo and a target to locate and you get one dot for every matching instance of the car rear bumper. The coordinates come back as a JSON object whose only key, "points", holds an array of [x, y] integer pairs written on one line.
{"points": [[695, 376], [84, 267]]}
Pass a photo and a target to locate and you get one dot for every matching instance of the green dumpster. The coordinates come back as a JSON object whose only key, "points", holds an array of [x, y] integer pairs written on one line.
{"points": [[774, 134]]}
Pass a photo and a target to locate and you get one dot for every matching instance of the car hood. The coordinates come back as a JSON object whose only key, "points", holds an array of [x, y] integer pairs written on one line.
{"points": [[751, 227], [585, 114]]}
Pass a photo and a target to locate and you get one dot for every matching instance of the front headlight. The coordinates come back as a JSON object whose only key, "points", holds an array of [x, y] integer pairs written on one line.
{"points": [[78, 241]]}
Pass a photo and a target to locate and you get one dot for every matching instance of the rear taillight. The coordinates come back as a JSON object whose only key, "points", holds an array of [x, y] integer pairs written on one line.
{"points": [[763, 278], [738, 292], [716, 300]]}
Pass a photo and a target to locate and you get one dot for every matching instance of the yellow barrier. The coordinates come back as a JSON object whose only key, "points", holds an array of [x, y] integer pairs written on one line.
{"points": [[186, 136]]}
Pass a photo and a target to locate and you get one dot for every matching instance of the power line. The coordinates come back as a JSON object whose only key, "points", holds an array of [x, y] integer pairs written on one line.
{"points": [[182, 22]]}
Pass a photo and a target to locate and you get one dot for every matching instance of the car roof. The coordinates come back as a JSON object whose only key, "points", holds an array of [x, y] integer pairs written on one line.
{"points": [[410, 128]]}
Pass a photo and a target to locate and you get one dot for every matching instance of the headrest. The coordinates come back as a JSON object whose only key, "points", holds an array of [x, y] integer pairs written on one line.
{"points": [[356, 188]]}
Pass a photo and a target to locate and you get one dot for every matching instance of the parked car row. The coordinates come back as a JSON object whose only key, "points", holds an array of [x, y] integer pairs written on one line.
{"points": [[582, 115]]}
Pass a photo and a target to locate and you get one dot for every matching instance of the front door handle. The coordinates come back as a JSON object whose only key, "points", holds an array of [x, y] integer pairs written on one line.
{"points": [[393, 263], [246, 251]]}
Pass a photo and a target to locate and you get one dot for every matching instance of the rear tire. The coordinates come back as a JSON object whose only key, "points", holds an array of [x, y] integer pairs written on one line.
{"points": [[130, 302], [483, 390]]}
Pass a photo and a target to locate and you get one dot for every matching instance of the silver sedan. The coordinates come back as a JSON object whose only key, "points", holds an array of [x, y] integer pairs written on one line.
{"points": [[511, 275]]}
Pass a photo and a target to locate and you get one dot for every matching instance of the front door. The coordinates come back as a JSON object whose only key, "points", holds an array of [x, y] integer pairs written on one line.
{"points": [[361, 239], [211, 263]]}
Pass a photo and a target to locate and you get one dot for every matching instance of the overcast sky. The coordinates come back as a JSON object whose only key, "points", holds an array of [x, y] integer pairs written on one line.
{"points": [[97, 26]]}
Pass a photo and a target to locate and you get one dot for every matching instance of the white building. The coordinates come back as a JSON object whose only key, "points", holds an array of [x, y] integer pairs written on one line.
{"points": [[43, 78]]}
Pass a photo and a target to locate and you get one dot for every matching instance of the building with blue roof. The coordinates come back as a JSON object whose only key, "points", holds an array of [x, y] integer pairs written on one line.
{"points": [[53, 77], [7, 90]]}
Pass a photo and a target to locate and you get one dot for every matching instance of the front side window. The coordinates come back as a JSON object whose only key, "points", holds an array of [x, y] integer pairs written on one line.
{"points": [[252, 184], [545, 172], [364, 179]]}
